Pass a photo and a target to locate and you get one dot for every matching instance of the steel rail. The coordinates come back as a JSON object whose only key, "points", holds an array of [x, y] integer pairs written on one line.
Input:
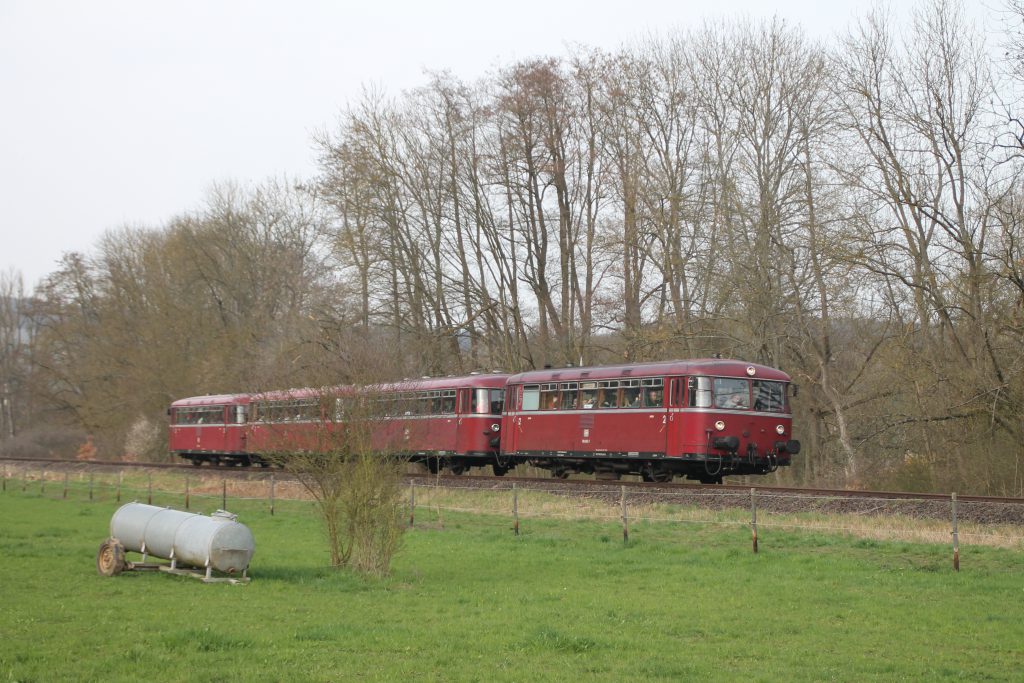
{"points": [[677, 487]]}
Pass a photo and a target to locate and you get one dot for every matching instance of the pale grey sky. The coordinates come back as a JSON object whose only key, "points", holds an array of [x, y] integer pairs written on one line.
{"points": [[123, 113]]}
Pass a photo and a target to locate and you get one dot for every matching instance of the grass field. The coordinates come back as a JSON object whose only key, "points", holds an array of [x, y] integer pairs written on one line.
{"points": [[470, 602]]}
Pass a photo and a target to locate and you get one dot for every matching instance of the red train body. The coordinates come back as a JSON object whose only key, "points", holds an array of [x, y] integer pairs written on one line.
{"points": [[211, 429], [452, 421], [702, 419]]}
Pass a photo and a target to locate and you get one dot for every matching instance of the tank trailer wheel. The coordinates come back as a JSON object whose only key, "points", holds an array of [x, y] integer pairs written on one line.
{"points": [[110, 558]]}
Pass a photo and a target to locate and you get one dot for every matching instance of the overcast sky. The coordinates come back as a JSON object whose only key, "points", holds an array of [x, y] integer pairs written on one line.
{"points": [[123, 113]]}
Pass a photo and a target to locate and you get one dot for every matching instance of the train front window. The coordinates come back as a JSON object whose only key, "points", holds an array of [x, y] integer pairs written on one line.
{"points": [[769, 396], [733, 394], [489, 401]]}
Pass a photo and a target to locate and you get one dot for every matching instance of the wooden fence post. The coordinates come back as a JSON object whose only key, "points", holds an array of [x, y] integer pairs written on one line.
{"points": [[515, 507], [5, 479], [625, 518], [753, 517], [224, 494], [90, 486], [956, 539], [412, 505], [272, 494], [149, 488], [120, 480], [65, 494], [187, 492], [42, 481]]}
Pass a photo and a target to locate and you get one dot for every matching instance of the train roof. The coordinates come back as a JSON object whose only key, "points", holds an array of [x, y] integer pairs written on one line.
{"points": [[213, 400], [699, 366], [493, 380], [490, 380]]}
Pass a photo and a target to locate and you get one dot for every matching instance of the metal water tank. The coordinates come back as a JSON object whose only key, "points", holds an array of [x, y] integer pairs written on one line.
{"points": [[218, 541]]}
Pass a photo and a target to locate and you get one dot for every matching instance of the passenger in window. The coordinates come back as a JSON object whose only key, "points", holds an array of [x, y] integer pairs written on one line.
{"points": [[735, 401], [631, 398], [654, 398]]}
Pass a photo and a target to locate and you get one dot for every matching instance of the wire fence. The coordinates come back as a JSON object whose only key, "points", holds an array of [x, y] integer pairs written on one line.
{"points": [[516, 505]]}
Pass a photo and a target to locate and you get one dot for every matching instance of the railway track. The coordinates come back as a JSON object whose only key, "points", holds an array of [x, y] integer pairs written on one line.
{"points": [[551, 484]]}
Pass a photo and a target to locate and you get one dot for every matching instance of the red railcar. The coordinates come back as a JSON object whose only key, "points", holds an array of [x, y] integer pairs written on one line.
{"points": [[211, 429], [449, 422], [701, 419]]}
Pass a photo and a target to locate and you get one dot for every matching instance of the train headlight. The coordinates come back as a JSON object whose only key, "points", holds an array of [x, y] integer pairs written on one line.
{"points": [[751, 370], [720, 425], [495, 427], [780, 429]]}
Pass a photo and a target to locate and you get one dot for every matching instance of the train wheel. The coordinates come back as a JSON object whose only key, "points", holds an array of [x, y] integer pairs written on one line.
{"points": [[458, 468], [652, 476], [433, 465], [498, 470], [196, 462], [110, 558], [560, 473]]}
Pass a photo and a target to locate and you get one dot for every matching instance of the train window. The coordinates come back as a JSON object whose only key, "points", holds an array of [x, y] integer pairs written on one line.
{"points": [[653, 393], [240, 415], [608, 394], [549, 396], [630, 395], [497, 400], [588, 395], [699, 390], [769, 396], [448, 402], [530, 396], [570, 391], [732, 393]]}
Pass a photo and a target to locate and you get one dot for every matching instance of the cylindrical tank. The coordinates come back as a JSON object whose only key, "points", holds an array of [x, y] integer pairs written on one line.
{"points": [[217, 541]]}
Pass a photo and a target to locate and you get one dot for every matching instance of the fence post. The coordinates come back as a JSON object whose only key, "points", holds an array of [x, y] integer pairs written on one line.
{"points": [[956, 539], [412, 505], [271, 494], [120, 479], [224, 494], [5, 479], [625, 518], [149, 488], [753, 517], [187, 492], [515, 507], [90, 486], [65, 494], [42, 481]]}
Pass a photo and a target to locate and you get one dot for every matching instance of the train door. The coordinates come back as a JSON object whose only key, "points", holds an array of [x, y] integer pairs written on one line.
{"points": [[676, 401], [512, 422]]}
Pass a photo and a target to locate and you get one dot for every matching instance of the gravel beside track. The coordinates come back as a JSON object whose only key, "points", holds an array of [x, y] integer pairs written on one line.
{"points": [[974, 509]]}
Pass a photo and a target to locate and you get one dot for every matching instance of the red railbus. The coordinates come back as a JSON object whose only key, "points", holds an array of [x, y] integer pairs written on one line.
{"points": [[701, 419], [211, 429], [450, 422]]}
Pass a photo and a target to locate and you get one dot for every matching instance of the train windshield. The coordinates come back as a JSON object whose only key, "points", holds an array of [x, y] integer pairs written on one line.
{"points": [[736, 393], [488, 401]]}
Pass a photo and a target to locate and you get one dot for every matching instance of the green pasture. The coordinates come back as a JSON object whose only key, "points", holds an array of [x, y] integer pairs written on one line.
{"points": [[469, 601]]}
